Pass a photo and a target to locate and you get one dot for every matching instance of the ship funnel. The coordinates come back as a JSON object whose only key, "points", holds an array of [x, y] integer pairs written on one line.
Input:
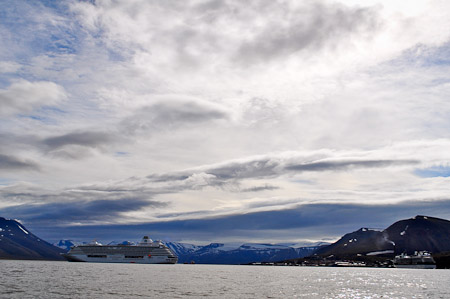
{"points": [[146, 241]]}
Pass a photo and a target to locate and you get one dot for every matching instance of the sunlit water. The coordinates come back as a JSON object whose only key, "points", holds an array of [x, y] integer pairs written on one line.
{"points": [[39, 279]]}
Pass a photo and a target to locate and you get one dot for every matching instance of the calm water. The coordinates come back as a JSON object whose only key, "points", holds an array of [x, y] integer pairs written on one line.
{"points": [[38, 279]]}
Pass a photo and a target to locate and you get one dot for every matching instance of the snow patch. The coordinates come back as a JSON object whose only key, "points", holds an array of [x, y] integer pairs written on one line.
{"points": [[389, 241], [23, 229], [380, 252], [254, 246], [404, 232]]}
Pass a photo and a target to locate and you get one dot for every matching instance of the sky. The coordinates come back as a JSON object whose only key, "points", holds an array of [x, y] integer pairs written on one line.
{"points": [[223, 121]]}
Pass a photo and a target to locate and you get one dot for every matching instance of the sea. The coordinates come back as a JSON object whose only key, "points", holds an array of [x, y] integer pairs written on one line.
{"points": [[44, 279]]}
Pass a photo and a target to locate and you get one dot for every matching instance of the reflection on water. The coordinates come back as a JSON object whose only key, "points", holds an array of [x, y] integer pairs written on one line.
{"points": [[41, 279]]}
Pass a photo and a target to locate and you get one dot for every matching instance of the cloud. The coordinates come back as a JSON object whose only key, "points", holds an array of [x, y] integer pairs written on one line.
{"points": [[265, 187], [216, 37], [279, 165], [305, 222], [309, 27], [80, 211], [89, 139], [172, 112], [8, 162], [23, 96]]}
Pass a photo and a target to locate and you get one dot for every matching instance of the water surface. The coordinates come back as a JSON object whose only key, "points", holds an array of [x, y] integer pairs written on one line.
{"points": [[42, 279]]}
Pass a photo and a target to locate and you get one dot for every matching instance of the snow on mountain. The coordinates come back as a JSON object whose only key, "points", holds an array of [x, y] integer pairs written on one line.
{"points": [[219, 253], [121, 243], [66, 244], [182, 248], [16, 242]]}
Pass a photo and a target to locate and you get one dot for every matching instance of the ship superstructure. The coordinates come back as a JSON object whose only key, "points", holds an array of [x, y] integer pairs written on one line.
{"points": [[145, 252]]}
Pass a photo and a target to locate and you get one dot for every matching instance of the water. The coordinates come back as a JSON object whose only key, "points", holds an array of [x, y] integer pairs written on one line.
{"points": [[42, 279]]}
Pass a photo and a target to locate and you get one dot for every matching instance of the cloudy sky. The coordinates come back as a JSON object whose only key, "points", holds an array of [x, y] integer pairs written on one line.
{"points": [[223, 120]]}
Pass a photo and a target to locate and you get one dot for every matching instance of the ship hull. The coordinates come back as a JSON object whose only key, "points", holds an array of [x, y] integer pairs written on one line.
{"points": [[416, 266], [120, 259]]}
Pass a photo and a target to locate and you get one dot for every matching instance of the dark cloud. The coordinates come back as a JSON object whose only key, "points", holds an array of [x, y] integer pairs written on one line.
{"points": [[77, 211], [260, 188], [229, 171], [272, 167], [168, 177], [13, 163], [172, 113], [310, 27], [77, 145], [307, 221], [88, 139], [250, 169], [343, 165]]}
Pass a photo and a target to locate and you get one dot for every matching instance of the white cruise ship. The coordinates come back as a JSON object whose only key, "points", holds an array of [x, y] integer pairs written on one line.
{"points": [[419, 260], [146, 252]]}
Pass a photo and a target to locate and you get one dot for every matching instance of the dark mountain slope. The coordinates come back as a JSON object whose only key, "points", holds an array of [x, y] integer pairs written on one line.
{"points": [[362, 241], [16, 242], [420, 233], [415, 234]]}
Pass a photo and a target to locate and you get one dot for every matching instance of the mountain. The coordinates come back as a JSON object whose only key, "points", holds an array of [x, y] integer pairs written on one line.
{"points": [[66, 244], [362, 241], [420, 233], [218, 253], [415, 234], [16, 242]]}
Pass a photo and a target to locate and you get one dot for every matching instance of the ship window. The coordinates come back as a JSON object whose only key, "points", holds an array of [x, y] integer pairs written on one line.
{"points": [[96, 255], [134, 257]]}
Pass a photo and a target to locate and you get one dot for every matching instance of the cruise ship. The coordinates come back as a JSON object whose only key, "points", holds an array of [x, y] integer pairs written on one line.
{"points": [[418, 260], [145, 252]]}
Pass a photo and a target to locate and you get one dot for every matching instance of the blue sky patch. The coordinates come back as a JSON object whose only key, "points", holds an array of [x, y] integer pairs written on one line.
{"points": [[435, 171]]}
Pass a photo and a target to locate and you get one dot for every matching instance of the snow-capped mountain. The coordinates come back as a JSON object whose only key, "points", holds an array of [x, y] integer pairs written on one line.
{"points": [[66, 244], [16, 242], [218, 253]]}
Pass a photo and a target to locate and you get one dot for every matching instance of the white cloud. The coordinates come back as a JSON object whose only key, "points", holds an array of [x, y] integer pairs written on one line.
{"points": [[22, 97]]}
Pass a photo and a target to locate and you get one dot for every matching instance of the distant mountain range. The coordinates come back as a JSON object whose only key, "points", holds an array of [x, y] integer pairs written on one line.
{"points": [[405, 236], [217, 253], [16, 242]]}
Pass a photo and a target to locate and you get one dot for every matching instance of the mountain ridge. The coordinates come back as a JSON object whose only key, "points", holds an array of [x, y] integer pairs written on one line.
{"points": [[419, 233], [16, 242]]}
